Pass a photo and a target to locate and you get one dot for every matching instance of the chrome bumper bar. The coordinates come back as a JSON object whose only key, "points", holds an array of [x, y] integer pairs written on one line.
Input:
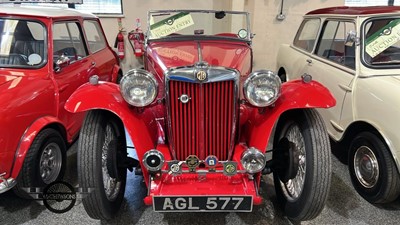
{"points": [[6, 184]]}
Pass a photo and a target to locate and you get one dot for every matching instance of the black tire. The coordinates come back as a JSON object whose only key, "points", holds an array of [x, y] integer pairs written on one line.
{"points": [[315, 150], [100, 131], [379, 182], [44, 162]]}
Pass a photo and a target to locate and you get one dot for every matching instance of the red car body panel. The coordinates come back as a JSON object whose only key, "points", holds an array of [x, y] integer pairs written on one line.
{"points": [[200, 111], [143, 128], [230, 54], [33, 98]]}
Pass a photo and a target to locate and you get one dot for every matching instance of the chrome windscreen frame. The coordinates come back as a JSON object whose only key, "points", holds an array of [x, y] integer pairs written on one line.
{"points": [[214, 74], [248, 27]]}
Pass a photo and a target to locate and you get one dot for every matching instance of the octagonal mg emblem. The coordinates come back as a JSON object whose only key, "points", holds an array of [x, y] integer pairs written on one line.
{"points": [[201, 75]]}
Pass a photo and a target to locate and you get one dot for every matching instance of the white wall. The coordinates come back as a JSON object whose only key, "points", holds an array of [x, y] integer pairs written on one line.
{"points": [[270, 33]]}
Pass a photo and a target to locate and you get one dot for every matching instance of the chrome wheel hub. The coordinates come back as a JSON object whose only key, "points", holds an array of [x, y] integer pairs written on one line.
{"points": [[111, 185], [50, 163], [366, 167], [294, 187]]}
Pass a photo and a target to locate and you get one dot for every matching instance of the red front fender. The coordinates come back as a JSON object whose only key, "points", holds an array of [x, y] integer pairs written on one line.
{"points": [[295, 95], [107, 96], [28, 137]]}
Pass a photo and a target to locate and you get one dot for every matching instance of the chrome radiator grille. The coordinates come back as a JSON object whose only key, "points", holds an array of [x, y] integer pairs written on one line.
{"points": [[203, 125]]}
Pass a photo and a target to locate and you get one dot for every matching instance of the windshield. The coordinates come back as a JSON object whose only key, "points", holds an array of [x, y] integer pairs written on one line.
{"points": [[21, 43], [164, 24], [382, 42]]}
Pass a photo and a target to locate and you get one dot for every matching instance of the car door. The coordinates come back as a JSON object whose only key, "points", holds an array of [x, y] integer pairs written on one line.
{"points": [[100, 54], [302, 48], [71, 67], [333, 64]]}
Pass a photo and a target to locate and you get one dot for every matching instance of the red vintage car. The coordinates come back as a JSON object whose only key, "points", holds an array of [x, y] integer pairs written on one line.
{"points": [[201, 121], [45, 55]]}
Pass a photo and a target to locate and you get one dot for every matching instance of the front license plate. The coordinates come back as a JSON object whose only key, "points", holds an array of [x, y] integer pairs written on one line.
{"points": [[202, 203]]}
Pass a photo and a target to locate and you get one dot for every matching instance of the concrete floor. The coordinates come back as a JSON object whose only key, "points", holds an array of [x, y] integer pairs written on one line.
{"points": [[344, 206]]}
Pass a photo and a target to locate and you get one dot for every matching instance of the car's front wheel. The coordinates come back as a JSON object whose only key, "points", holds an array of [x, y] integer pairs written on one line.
{"points": [[102, 143], [44, 162], [372, 169], [302, 184]]}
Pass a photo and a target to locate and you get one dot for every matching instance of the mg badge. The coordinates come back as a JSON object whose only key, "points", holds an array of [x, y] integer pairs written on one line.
{"points": [[201, 75], [230, 168], [192, 162]]}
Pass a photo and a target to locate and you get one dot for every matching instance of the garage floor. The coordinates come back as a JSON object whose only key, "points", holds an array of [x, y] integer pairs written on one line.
{"points": [[343, 207]]}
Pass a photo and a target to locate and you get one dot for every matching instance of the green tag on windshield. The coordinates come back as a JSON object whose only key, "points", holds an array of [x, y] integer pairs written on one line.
{"points": [[171, 25], [383, 38]]}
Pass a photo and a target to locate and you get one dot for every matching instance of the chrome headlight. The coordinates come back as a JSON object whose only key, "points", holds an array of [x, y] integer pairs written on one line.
{"points": [[262, 88], [139, 87], [253, 160]]}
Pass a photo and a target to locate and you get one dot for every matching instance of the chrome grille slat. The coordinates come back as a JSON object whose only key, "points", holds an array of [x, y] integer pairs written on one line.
{"points": [[212, 103]]}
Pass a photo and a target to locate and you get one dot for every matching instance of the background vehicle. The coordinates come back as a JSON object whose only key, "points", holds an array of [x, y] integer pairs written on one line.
{"points": [[354, 51], [201, 120], [45, 54]]}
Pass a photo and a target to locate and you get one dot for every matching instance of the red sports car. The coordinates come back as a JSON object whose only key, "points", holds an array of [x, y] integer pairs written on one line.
{"points": [[45, 55], [201, 121]]}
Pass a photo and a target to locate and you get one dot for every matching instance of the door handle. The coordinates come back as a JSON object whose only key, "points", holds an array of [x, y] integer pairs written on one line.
{"points": [[309, 61], [63, 87], [345, 88], [93, 63]]}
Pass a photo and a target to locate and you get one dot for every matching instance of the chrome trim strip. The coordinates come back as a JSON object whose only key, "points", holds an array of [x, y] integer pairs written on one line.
{"points": [[206, 171], [215, 74], [199, 52]]}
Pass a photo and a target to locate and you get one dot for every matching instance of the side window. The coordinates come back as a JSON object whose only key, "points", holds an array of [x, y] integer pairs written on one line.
{"points": [[68, 41], [94, 35], [332, 44], [307, 34]]}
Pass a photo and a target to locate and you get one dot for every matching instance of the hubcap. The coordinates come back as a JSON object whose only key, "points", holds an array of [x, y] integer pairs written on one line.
{"points": [[111, 185], [366, 167], [294, 187], [50, 163]]}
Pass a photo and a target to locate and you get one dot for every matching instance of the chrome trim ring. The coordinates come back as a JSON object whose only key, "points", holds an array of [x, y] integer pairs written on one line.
{"points": [[111, 185], [159, 155], [366, 167], [293, 188], [50, 162]]}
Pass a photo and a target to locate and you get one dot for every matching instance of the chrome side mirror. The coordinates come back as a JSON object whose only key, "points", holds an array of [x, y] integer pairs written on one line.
{"points": [[352, 38], [61, 62]]}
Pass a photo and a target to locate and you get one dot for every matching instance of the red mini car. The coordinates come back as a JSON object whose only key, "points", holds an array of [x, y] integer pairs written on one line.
{"points": [[201, 121], [45, 55]]}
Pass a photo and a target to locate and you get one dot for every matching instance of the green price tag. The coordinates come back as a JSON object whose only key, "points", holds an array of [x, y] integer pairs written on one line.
{"points": [[171, 25], [383, 38]]}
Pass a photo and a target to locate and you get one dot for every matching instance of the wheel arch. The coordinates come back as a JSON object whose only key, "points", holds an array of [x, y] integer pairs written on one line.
{"points": [[360, 126], [110, 114], [29, 136]]}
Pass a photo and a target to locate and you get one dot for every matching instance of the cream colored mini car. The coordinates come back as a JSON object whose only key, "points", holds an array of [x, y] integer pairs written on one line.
{"points": [[355, 53]]}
